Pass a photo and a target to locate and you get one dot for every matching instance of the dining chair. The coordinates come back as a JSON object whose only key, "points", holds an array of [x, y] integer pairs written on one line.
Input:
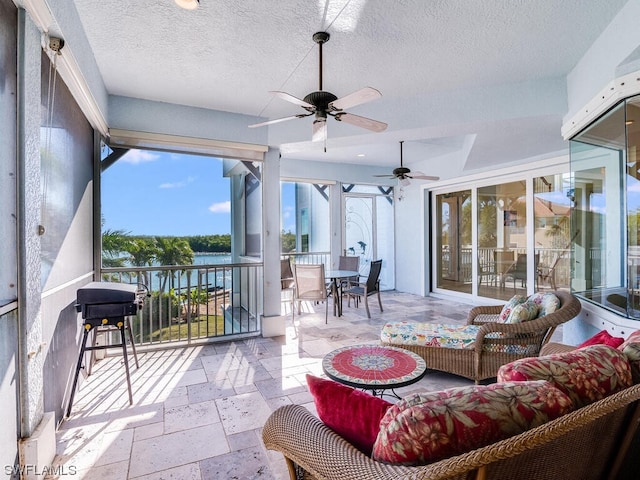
{"points": [[286, 281], [363, 290], [349, 262], [309, 286]]}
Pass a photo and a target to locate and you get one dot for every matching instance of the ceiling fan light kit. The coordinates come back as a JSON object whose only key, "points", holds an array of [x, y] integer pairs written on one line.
{"points": [[323, 104], [188, 4]]}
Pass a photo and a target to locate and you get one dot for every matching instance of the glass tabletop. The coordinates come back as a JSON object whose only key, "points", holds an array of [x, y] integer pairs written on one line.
{"points": [[341, 273]]}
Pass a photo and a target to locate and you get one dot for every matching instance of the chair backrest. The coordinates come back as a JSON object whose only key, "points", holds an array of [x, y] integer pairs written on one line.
{"points": [[374, 275], [310, 282], [349, 262], [286, 274], [521, 265]]}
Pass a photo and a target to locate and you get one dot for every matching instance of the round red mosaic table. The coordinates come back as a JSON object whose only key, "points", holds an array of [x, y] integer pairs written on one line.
{"points": [[374, 367]]}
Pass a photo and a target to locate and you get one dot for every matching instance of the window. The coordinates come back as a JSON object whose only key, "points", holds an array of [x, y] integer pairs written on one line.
{"points": [[604, 192], [305, 217], [483, 236], [8, 155]]}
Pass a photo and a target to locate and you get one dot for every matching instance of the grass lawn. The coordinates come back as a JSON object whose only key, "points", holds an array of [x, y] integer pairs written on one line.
{"points": [[201, 326]]}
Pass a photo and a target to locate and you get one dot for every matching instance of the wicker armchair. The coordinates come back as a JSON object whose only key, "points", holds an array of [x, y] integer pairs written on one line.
{"points": [[496, 344]]}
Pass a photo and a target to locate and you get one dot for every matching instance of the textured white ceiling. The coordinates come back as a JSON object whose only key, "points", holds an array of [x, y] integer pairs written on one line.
{"points": [[434, 61]]}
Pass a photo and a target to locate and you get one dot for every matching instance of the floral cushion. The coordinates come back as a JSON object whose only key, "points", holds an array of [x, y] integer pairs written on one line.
{"points": [[523, 312], [631, 346], [448, 336], [547, 301], [586, 375], [424, 428], [353, 414], [431, 334], [506, 310]]}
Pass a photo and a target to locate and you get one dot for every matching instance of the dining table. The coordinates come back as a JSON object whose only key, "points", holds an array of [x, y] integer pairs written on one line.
{"points": [[336, 277]]}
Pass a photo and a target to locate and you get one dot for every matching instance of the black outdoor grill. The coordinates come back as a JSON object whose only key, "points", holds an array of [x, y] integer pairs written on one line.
{"points": [[105, 306]]}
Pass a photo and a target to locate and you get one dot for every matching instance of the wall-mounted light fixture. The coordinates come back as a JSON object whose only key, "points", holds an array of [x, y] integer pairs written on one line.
{"points": [[188, 4]]}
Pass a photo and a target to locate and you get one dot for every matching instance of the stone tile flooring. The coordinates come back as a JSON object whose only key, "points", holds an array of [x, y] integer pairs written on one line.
{"points": [[198, 411]]}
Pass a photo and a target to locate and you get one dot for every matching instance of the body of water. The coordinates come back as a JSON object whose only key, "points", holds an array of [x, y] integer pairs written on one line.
{"points": [[211, 258]]}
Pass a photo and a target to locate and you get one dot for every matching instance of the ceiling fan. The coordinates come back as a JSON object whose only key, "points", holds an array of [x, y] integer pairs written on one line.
{"points": [[403, 174], [322, 104]]}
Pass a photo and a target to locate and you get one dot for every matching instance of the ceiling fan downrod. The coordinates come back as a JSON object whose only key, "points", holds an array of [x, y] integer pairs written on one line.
{"points": [[320, 38]]}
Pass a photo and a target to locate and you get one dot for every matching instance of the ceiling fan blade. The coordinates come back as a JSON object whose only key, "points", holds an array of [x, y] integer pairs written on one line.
{"points": [[385, 176], [359, 97], [422, 176], [319, 131], [359, 121], [295, 100], [278, 120]]}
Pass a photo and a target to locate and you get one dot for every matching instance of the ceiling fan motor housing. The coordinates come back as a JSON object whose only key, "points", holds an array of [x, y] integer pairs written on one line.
{"points": [[320, 100], [401, 171]]}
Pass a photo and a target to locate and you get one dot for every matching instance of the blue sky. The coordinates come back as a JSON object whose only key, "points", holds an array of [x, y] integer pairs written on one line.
{"points": [[159, 193]]}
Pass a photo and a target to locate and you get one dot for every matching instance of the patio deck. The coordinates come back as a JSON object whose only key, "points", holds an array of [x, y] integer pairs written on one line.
{"points": [[198, 411]]}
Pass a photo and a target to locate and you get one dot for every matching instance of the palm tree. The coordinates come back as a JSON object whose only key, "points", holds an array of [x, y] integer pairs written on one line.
{"points": [[173, 251], [143, 252], [114, 245]]}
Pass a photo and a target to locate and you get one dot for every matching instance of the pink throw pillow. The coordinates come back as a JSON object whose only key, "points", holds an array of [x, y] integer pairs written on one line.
{"points": [[351, 413]]}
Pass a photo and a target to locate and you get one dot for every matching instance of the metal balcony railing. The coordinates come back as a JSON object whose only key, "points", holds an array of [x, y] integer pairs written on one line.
{"points": [[194, 303]]}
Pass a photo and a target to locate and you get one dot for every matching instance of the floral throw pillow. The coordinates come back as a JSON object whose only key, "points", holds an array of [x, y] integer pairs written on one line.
{"points": [[586, 375], [424, 428], [509, 306], [523, 312], [547, 302], [631, 346]]}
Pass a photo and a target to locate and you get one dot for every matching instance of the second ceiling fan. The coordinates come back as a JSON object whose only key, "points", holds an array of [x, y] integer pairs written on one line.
{"points": [[403, 174], [324, 104]]}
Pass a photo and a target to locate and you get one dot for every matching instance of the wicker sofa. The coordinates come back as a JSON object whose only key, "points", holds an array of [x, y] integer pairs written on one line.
{"points": [[493, 341], [590, 442]]}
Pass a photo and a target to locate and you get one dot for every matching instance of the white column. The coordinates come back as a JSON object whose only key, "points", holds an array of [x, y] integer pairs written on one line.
{"points": [[273, 324]]}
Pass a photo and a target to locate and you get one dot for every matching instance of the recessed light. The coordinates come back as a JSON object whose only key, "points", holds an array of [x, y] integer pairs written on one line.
{"points": [[361, 155]]}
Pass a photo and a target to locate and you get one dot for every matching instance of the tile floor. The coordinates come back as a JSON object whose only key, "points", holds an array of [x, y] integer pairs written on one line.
{"points": [[198, 411]]}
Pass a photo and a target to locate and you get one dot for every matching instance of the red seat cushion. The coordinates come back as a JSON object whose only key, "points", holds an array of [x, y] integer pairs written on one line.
{"points": [[602, 338], [351, 413]]}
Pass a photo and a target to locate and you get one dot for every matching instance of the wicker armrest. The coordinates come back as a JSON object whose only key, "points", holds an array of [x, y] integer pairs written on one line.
{"points": [[552, 347], [482, 310]]}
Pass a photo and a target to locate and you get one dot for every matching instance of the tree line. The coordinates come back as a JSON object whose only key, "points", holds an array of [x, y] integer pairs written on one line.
{"points": [[120, 248]]}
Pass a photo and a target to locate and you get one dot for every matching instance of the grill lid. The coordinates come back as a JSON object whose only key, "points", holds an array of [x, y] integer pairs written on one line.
{"points": [[106, 292]]}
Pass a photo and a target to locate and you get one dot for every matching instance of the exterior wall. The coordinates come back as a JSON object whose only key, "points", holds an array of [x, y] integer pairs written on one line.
{"points": [[54, 264], [29, 288]]}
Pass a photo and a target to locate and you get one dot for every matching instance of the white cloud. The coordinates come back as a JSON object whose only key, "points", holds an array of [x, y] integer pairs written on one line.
{"points": [[139, 156], [180, 184], [287, 213], [221, 207]]}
